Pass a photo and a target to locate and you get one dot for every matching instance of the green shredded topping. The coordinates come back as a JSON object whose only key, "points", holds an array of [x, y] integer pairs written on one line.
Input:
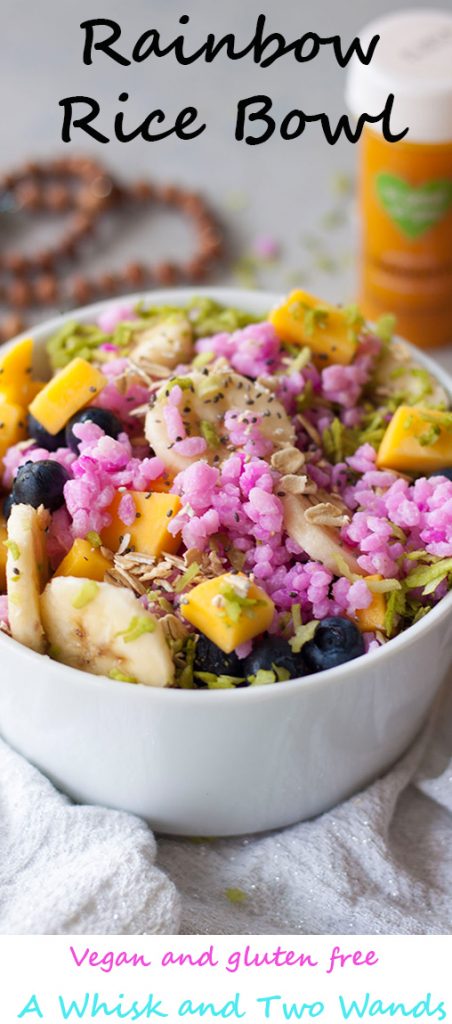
{"points": [[282, 673], [209, 434], [235, 895], [300, 360], [235, 605], [355, 321], [13, 548], [206, 316], [429, 576], [74, 339], [385, 327], [398, 533], [221, 682], [54, 652], [420, 556], [125, 333], [302, 635], [185, 383], [333, 441], [202, 359], [184, 674], [296, 616], [425, 384], [187, 577], [209, 385], [304, 400], [383, 586], [122, 677], [445, 421], [94, 539], [86, 594], [395, 607], [138, 626], [263, 677], [343, 568], [339, 442], [430, 436], [314, 317]]}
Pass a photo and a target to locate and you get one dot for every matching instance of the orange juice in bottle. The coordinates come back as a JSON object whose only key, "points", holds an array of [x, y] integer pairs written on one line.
{"points": [[405, 187]]}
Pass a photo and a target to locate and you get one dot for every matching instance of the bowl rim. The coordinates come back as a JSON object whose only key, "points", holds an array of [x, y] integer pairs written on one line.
{"points": [[320, 680]]}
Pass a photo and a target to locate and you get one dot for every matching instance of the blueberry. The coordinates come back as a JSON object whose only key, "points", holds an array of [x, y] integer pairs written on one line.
{"points": [[42, 437], [443, 472], [335, 641], [104, 419], [40, 483], [272, 651], [210, 658], [8, 502]]}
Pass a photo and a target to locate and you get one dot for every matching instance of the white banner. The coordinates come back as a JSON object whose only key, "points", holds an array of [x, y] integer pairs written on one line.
{"points": [[250, 978]]}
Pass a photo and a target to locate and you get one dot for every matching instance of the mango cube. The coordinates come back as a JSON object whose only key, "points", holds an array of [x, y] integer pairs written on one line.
{"points": [[84, 561], [149, 533], [13, 425], [229, 610], [70, 390], [417, 441], [372, 618], [3, 554], [16, 384], [330, 332]]}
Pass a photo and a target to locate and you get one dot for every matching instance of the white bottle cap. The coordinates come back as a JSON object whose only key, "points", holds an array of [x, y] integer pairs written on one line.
{"points": [[413, 60]]}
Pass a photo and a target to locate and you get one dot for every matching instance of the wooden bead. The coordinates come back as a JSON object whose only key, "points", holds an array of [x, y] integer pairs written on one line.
{"points": [[89, 202], [11, 325], [135, 274], [102, 186], [166, 273], [81, 186], [141, 190], [196, 269], [45, 259], [29, 196], [18, 293], [58, 198], [68, 246], [16, 262], [81, 290], [109, 283], [45, 289]]}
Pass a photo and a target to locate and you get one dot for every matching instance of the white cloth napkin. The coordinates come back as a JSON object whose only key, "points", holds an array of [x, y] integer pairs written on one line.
{"points": [[379, 863], [68, 869]]}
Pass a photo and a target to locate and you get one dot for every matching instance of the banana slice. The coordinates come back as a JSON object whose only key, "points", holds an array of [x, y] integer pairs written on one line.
{"points": [[167, 343], [397, 372], [322, 543], [207, 397], [105, 630], [26, 573]]}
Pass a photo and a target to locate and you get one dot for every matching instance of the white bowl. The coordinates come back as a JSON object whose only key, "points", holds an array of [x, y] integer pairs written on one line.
{"points": [[223, 762]]}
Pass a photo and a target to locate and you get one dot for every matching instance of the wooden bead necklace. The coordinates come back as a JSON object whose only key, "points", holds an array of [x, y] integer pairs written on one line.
{"points": [[82, 190]]}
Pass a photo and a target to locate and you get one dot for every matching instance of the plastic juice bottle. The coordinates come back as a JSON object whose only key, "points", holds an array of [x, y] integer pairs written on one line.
{"points": [[405, 187]]}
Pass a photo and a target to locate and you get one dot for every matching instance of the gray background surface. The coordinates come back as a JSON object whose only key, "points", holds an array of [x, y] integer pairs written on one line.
{"points": [[293, 191]]}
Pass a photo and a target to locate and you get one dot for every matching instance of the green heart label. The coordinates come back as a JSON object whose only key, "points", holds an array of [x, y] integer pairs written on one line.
{"points": [[414, 208]]}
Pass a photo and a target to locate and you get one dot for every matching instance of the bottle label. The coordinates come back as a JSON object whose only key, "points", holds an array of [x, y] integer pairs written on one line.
{"points": [[414, 208]]}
